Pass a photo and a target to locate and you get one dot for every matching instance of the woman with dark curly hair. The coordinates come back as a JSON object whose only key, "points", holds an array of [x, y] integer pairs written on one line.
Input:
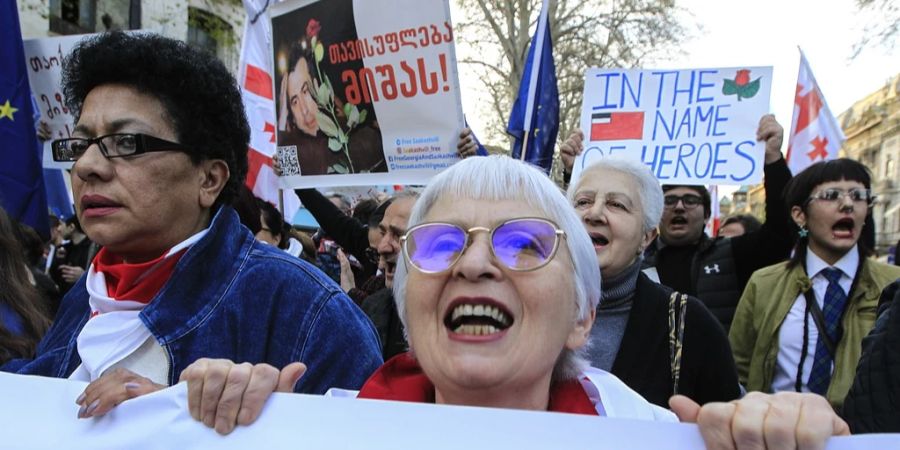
{"points": [[159, 151], [307, 127], [22, 323]]}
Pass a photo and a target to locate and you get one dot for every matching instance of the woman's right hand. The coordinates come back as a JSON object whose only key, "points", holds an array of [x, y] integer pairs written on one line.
{"points": [[223, 394], [758, 421]]}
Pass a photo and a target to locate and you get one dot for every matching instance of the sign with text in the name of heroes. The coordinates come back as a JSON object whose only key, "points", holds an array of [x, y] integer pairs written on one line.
{"points": [[689, 126]]}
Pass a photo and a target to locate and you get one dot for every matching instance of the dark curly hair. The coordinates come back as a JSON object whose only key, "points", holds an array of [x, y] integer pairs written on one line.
{"points": [[200, 95]]}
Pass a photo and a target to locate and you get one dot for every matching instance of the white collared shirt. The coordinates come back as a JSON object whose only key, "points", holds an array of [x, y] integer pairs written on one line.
{"points": [[790, 335]]}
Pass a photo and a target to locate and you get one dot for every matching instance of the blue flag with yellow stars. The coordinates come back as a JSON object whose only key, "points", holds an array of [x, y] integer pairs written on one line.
{"points": [[22, 192], [536, 110]]}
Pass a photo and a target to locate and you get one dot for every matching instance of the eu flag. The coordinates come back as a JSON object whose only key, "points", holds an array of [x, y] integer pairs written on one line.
{"points": [[536, 110], [21, 184]]}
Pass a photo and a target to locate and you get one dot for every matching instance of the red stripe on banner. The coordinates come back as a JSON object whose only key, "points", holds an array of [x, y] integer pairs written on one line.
{"points": [[620, 126], [270, 128], [258, 82], [256, 161]]}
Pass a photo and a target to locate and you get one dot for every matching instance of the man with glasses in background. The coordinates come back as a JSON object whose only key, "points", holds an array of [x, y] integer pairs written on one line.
{"points": [[715, 270], [160, 151]]}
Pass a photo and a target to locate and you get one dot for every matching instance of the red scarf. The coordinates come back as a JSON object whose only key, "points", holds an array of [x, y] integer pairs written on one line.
{"points": [[138, 282], [401, 379]]}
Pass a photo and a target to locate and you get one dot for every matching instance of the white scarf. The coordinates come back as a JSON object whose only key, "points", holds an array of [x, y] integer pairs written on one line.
{"points": [[115, 329]]}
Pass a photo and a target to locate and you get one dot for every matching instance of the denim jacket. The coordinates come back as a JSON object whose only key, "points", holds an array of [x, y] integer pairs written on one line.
{"points": [[232, 297]]}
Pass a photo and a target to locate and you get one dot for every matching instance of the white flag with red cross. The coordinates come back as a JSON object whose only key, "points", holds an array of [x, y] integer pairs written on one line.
{"points": [[712, 225], [256, 89], [815, 133]]}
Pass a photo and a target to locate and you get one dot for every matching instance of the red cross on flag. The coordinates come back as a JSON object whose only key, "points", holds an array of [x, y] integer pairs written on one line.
{"points": [[815, 134], [256, 89]]}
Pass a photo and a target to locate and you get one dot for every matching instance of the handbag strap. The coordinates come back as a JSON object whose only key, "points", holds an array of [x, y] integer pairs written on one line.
{"points": [[677, 306]]}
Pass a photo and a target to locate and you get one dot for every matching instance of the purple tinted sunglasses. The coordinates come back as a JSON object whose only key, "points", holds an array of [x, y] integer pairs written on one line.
{"points": [[519, 244]]}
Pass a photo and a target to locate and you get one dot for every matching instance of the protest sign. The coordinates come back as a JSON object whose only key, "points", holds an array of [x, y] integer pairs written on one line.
{"points": [[44, 59], [365, 92], [40, 413], [690, 126]]}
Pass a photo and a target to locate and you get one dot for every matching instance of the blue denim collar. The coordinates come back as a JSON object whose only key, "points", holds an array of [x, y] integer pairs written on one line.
{"points": [[201, 278]]}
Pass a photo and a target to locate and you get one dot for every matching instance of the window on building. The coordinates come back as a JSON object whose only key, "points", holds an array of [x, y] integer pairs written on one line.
{"points": [[210, 32], [91, 16], [889, 168]]}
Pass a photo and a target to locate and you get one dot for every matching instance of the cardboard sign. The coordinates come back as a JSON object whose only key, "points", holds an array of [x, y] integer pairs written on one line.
{"points": [[366, 93], [690, 126], [44, 59]]}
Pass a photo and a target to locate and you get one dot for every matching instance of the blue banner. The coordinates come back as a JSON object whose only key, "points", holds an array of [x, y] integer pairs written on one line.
{"points": [[22, 192]]}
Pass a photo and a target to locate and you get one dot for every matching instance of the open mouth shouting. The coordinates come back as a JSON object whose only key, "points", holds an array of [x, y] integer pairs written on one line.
{"points": [[678, 221], [477, 318], [844, 228], [600, 240]]}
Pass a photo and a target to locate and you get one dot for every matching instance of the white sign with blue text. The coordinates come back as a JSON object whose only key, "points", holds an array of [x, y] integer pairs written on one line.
{"points": [[689, 126]]}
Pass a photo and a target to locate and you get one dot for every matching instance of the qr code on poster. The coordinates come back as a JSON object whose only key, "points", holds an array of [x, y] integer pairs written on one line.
{"points": [[287, 159]]}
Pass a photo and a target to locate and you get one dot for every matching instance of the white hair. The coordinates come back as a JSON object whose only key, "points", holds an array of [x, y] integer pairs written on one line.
{"points": [[500, 178], [648, 186]]}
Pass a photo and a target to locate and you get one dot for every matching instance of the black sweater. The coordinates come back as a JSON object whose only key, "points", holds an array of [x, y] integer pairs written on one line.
{"points": [[873, 404], [708, 372]]}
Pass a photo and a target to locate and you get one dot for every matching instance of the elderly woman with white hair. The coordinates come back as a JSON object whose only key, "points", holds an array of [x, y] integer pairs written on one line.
{"points": [[658, 342], [498, 289]]}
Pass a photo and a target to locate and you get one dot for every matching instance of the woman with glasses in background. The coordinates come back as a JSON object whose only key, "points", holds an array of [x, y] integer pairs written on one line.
{"points": [[799, 324]]}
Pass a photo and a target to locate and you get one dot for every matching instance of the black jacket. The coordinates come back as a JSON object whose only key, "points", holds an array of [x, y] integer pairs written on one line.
{"points": [[349, 233], [382, 311], [873, 404], [708, 372], [721, 267]]}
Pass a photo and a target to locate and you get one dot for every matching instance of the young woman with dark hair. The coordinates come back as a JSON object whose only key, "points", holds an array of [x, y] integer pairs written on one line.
{"points": [[799, 324], [22, 323]]}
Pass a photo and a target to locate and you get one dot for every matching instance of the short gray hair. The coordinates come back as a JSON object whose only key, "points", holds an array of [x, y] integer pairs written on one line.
{"points": [[500, 178], [648, 186]]}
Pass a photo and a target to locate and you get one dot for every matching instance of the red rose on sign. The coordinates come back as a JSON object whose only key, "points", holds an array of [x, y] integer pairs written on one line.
{"points": [[312, 28], [742, 77], [741, 85]]}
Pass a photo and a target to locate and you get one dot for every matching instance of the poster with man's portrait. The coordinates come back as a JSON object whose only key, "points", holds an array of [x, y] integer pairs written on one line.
{"points": [[365, 92]]}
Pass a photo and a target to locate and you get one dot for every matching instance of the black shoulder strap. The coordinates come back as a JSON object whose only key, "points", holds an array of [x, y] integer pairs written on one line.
{"points": [[819, 319]]}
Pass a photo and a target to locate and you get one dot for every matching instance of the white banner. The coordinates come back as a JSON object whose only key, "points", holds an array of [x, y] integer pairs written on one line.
{"points": [[44, 57], [690, 126], [40, 413], [366, 93]]}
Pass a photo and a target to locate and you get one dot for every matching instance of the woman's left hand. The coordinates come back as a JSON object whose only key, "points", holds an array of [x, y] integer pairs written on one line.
{"points": [[114, 387], [785, 420]]}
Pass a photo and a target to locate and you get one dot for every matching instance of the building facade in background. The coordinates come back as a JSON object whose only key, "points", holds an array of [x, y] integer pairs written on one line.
{"points": [[872, 127], [215, 25]]}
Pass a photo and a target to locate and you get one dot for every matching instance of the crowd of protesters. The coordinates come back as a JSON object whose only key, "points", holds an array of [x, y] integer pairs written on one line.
{"points": [[489, 288]]}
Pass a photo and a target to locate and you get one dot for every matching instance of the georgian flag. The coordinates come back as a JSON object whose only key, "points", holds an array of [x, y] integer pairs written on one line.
{"points": [[815, 134], [712, 226], [255, 77]]}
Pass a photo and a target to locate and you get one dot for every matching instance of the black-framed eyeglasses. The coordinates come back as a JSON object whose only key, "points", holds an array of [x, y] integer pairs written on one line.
{"points": [[833, 195], [115, 145], [519, 244], [690, 201]]}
